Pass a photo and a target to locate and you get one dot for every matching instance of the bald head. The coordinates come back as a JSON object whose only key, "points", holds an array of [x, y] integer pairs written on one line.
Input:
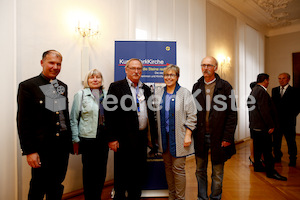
{"points": [[209, 65], [284, 79], [212, 59]]}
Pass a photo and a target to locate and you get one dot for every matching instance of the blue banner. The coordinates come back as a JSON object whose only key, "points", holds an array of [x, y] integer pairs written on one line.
{"points": [[155, 56]]}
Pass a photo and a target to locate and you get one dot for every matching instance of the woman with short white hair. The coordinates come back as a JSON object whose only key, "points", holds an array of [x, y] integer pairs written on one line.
{"points": [[88, 133]]}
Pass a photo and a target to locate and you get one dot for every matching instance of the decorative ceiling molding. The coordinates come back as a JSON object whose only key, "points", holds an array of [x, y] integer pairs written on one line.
{"points": [[275, 9], [271, 17]]}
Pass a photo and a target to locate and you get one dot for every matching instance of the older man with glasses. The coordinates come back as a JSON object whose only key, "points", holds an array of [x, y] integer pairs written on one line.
{"points": [[216, 124], [127, 122]]}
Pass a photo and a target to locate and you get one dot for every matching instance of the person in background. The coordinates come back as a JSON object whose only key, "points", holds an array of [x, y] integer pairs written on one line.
{"points": [[262, 124], [176, 120], [216, 124], [89, 132], [128, 120], [44, 128], [251, 157], [286, 100]]}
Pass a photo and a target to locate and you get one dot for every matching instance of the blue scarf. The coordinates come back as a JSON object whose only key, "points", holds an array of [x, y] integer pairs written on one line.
{"points": [[171, 139]]}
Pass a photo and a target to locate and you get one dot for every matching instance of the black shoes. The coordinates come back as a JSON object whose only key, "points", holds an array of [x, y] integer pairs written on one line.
{"points": [[277, 177]]}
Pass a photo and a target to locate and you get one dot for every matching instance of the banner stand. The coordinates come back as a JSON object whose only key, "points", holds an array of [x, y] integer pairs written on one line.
{"points": [[149, 193], [155, 193], [155, 56]]}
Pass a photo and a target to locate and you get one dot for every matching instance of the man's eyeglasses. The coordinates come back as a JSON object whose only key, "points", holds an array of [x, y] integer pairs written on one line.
{"points": [[135, 69], [170, 75], [207, 66]]}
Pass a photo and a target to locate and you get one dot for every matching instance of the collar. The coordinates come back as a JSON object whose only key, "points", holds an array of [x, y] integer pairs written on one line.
{"points": [[131, 84], [263, 87], [285, 87], [46, 78], [177, 87], [210, 82], [201, 79]]}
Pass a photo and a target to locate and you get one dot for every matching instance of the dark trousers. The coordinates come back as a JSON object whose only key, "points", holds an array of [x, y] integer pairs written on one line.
{"points": [[129, 168], [94, 160], [47, 180], [290, 136], [262, 145]]}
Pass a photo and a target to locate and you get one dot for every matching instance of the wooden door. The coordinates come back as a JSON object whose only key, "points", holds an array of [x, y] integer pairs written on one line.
{"points": [[296, 70]]}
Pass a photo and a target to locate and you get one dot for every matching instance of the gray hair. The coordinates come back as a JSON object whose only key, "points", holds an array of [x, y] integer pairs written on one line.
{"points": [[287, 74], [172, 67], [89, 74], [132, 59]]}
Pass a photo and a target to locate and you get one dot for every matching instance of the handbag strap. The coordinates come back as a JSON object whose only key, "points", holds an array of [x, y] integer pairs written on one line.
{"points": [[81, 101], [79, 116]]}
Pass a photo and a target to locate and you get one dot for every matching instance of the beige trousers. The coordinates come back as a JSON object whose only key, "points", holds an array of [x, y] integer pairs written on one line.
{"points": [[175, 174]]}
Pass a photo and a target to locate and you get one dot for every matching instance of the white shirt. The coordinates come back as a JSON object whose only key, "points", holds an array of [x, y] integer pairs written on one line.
{"points": [[142, 112], [284, 89]]}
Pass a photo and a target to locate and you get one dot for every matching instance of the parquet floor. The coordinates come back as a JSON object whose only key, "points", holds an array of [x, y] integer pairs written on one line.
{"points": [[240, 181]]}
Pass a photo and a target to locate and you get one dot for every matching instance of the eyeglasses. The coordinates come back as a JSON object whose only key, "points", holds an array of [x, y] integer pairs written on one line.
{"points": [[207, 66], [135, 69], [170, 75]]}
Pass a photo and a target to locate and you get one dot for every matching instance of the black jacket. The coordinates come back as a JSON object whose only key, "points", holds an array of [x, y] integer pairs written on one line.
{"points": [[287, 106], [222, 123], [39, 127], [262, 114], [123, 125]]}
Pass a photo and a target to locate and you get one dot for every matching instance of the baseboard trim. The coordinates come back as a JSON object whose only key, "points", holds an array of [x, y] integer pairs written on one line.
{"points": [[80, 191]]}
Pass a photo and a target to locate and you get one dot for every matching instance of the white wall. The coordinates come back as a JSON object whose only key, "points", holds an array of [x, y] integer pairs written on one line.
{"points": [[221, 40], [229, 36], [8, 142], [43, 25], [279, 58]]}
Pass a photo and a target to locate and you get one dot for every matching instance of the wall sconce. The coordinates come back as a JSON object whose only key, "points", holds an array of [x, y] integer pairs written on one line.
{"points": [[224, 65], [87, 30], [225, 61]]}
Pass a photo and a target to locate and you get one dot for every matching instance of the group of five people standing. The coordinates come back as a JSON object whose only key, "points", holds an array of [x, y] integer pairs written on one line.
{"points": [[184, 125]]}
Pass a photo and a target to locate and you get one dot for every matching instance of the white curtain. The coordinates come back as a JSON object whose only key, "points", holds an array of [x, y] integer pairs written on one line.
{"points": [[251, 63]]}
